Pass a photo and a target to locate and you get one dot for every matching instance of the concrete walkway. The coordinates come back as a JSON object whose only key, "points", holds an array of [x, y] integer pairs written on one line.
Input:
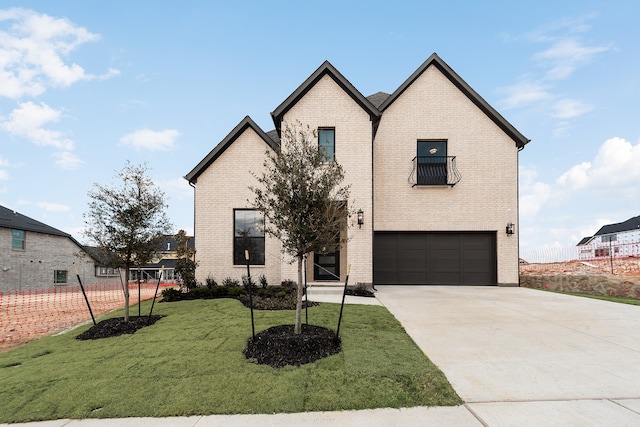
{"points": [[516, 356]]}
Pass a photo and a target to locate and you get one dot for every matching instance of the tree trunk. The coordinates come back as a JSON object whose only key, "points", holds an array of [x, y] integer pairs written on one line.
{"points": [[126, 294], [298, 326]]}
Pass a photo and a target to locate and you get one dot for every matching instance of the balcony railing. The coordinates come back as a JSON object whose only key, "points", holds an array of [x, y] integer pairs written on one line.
{"points": [[434, 170]]}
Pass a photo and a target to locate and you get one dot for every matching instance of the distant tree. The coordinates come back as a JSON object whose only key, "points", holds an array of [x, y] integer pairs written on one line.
{"points": [[302, 200], [127, 222], [185, 268]]}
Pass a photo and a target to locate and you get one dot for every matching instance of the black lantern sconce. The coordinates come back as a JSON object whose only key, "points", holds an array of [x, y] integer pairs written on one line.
{"points": [[510, 226], [360, 218]]}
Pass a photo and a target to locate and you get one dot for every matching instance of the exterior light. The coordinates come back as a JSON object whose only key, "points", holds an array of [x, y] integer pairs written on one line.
{"points": [[510, 226], [360, 218]]}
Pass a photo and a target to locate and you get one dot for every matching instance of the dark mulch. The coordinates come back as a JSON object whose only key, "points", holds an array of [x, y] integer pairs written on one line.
{"points": [[278, 346], [117, 326], [360, 293]]}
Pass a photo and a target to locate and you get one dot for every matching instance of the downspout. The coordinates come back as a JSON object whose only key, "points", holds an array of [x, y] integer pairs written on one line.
{"points": [[518, 206]]}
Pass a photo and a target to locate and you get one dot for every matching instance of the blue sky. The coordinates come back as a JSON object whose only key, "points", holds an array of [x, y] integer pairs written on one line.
{"points": [[86, 86]]}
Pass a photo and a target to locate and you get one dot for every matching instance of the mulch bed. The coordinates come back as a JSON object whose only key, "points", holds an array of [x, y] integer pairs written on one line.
{"points": [[278, 346], [117, 326], [360, 293]]}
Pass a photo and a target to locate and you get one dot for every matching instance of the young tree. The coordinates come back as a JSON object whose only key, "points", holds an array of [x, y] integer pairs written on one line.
{"points": [[186, 264], [127, 222], [302, 200]]}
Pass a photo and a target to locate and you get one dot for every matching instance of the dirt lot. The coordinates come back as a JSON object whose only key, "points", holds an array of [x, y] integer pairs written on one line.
{"points": [[30, 315]]}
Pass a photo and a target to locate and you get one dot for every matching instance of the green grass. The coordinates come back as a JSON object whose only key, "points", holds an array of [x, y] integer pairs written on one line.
{"points": [[191, 363], [621, 300]]}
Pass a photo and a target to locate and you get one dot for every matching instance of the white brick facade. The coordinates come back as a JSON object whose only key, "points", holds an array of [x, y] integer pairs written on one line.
{"points": [[376, 148]]}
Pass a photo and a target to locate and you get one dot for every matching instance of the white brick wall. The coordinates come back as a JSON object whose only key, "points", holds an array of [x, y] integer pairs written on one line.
{"points": [[221, 188], [484, 200], [327, 105]]}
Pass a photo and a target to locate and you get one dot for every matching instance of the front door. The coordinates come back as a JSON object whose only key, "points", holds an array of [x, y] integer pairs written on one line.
{"points": [[326, 266]]}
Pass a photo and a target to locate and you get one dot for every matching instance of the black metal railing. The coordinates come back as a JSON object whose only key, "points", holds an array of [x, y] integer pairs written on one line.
{"points": [[434, 170]]}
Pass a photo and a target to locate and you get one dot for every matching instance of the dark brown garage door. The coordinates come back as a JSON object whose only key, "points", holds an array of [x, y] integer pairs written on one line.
{"points": [[447, 258]]}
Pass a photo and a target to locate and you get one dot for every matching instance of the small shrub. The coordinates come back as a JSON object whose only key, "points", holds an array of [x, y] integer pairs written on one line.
{"points": [[263, 281], [289, 284], [230, 283], [235, 291], [171, 294], [248, 281], [210, 282]]}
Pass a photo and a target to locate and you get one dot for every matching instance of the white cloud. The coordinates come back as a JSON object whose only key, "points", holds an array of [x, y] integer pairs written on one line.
{"points": [[28, 121], [67, 160], [150, 140], [565, 55], [53, 207], [32, 51], [524, 93], [614, 170], [570, 108], [588, 195], [177, 188]]}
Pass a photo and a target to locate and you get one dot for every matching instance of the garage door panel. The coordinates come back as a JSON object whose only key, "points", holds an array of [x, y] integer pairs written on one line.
{"points": [[437, 258]]}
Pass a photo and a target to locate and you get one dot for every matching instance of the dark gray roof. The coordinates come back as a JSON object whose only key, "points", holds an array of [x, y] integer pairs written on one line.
{"points": [[378, 98], [246, 123], [628, 225], [325, 69], [14, 220], [436, 61], [584, 241]]}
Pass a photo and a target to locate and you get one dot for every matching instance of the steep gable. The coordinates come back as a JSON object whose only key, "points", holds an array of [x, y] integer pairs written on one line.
{"points": [[435, 61], [246, 123], [325, 69]]}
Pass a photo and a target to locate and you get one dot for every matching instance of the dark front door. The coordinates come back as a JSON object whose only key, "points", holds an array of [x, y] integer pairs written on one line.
{"points": [[326, 266]]}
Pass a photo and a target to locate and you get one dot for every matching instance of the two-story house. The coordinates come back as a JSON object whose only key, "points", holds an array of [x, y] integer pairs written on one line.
{"points": [[433, 170], [35, 255]]}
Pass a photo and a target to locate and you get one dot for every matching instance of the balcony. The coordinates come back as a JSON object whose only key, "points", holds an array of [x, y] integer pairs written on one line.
{"points": [[434, 171]]}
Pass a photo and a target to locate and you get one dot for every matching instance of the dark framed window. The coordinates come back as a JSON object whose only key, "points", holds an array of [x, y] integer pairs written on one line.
{"points": [[248, 234], [327, 143], [60, 276], [432, 162], [17, 239]]}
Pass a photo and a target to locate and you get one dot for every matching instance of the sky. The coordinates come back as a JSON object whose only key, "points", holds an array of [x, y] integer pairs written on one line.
{"points": [[87, 86]]}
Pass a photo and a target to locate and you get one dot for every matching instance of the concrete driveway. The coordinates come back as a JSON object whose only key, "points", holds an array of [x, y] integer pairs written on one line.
{"points": [[516, 353]]}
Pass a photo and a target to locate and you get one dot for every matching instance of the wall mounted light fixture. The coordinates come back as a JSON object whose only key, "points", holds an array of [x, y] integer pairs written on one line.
{"points": [[510, 226], [360, 218]]}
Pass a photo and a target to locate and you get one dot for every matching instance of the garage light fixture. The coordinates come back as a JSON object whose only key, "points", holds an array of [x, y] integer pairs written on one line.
{"points": [[510, 226], [360, 218]]}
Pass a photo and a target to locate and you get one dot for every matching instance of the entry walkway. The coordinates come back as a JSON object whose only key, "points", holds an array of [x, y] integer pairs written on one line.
{"points": [[516, 356]]}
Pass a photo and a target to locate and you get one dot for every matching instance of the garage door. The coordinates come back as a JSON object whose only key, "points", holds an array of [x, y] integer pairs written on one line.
{"points": [[447, 258]]}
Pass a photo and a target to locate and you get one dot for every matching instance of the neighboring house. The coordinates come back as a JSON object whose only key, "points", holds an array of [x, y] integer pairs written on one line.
{"points": [[433, 170], [613, 240], [165, 260], [35, 255]]}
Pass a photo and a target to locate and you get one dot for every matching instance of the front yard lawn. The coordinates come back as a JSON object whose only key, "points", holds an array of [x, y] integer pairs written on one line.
{"points": [[191, 362]]}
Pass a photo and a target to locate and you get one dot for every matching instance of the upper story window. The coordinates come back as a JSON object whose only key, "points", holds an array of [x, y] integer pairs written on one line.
{"points": [[248, 234], [432, 166], [432, 162], [17, 239], [327, 143]]}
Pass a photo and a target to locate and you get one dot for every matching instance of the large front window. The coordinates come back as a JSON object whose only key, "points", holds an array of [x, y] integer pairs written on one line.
{"points": [[327, 143], [248, 235]]}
